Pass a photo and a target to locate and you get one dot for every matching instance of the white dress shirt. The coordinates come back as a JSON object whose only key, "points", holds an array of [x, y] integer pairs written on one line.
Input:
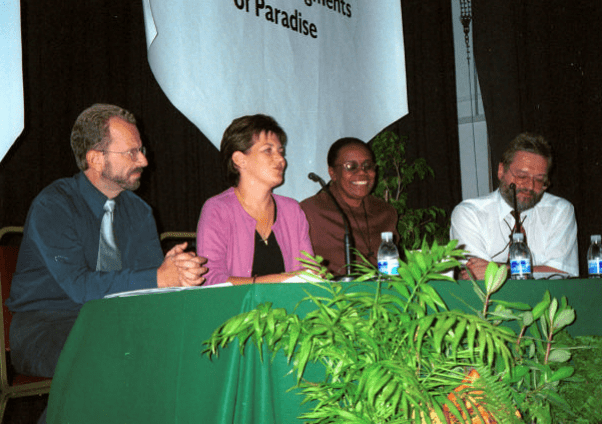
{"points": [[483, 226]]}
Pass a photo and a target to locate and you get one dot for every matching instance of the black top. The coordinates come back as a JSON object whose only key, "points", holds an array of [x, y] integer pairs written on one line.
{"points": [[267, 258]]}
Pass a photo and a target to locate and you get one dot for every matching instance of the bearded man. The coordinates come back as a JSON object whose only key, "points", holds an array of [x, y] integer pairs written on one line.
{"points": [[86, 237], [483, 226]]}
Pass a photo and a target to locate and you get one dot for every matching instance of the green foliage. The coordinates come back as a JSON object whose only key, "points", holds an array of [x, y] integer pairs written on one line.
{"points": [[395, 175], [583, 390], [393, 352]]}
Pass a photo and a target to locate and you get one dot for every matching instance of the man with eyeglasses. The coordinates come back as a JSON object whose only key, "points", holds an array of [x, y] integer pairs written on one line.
{"points": [[86, 237], [483, 225]]}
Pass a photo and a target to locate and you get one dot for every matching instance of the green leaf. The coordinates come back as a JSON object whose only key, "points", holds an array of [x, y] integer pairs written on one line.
{"points": [[564, 318], [527, 318], [458, 334], [553, 309], [541, 306], [302, 358], [512, 305], [517, 373], [559, 355], [561, 373]]}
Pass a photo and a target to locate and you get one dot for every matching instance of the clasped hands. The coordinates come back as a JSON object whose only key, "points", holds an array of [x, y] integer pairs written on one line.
{"points": [[476, 266], [181, 269]]}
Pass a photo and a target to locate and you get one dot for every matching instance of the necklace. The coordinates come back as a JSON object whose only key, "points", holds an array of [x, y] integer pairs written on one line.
{"points": [[264, 219]]}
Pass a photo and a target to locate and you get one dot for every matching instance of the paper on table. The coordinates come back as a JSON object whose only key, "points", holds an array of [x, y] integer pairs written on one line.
{"points": [[306, 277], [162, 290]]}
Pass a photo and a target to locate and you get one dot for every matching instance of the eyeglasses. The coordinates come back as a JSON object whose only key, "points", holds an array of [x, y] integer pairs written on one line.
{"points": [[353, 166], [133, 153], [523, 178]]}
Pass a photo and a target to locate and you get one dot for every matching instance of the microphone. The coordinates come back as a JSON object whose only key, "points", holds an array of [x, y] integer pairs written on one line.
{"points": [[516, 213], [316, 178]]}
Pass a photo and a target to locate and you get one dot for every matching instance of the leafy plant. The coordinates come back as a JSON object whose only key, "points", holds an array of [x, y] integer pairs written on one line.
{"points": [[583, 390], [394, 353], [395, 175]]}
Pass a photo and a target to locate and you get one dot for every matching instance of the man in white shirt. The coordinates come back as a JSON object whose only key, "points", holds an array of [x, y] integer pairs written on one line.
{"points": [[483, 226]]}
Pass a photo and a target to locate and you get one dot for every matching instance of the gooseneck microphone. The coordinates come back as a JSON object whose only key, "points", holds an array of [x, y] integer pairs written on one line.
{"points": [[516, 213], [316, 178]]}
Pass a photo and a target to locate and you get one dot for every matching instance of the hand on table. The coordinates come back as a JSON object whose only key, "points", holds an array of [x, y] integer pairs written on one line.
{"points": [[476, 266], [181, 268]]}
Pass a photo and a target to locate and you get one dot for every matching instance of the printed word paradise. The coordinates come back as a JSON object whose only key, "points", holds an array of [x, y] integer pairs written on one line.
{"points": [[293, 21]]}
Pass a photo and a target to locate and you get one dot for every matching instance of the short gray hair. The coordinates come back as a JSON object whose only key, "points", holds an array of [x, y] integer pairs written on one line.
{"points": [[527, 142], [91, 130]]}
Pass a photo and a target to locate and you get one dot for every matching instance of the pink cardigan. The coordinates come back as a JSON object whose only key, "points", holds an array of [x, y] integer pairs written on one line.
{"points": [[226, 236]]}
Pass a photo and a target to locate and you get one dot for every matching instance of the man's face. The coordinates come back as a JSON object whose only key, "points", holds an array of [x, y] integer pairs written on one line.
{"points": [[122, 170], [529, 172]]}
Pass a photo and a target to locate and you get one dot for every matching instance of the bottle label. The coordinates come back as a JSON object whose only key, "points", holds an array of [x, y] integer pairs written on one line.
{"points": [[389, 267], [594, 267], [520, 266]]}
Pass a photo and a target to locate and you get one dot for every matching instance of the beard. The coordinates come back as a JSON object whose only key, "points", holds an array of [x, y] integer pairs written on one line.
{"points": [[522, 206], [125, 182]]}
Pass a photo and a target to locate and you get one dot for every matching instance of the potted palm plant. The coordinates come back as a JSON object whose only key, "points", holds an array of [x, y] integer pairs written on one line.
{"points": [[393, 353]]}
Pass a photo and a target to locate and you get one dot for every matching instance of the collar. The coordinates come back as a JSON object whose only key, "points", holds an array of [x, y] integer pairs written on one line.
{"points": [[93, 197]]}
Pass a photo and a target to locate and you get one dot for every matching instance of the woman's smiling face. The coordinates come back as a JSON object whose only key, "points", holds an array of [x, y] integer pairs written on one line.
{"points": [[356, 184]]}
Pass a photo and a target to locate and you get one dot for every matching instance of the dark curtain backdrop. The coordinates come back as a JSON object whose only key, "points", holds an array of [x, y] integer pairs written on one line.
{"points": [[539, 65], [432, 123], [77, 53]]}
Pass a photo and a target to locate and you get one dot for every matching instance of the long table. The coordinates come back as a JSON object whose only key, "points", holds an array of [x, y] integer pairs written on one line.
{"points": [[138, 359]]}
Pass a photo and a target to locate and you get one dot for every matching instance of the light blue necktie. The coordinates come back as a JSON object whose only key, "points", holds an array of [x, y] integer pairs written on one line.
{"points": [[109, 257]]}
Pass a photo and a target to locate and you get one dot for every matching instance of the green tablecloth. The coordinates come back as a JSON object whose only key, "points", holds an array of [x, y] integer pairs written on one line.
{"points": [[138, 359]]}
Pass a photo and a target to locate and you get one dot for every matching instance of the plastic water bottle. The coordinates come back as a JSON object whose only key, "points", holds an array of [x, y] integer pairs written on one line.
{"points": [[594, 258], [520, 258], [388, 255]]}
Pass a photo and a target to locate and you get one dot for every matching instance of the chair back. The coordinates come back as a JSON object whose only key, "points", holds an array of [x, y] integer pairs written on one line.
{"points": [[170, 238], [19, 385], [8, 263]]}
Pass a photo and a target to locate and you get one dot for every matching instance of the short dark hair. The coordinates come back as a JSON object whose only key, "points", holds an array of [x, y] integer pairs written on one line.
{"points": [[333, 152], [240, 136], [531, 143], [91, 130]]}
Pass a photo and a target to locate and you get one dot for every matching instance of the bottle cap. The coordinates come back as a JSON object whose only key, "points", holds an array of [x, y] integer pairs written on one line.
{"points": [[387, 236], [596, 238], [518, 237]]}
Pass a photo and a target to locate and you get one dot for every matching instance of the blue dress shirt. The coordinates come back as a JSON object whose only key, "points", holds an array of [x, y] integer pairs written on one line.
{"points": [[57, 257]]}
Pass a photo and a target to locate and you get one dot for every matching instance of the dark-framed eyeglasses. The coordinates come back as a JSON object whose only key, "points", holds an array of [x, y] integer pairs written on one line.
{"points": [[522, 178], [132, 153], [353, 166]]}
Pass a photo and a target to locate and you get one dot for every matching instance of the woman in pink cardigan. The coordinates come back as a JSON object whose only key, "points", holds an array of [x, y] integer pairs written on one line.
{"points": [[248, 234]]}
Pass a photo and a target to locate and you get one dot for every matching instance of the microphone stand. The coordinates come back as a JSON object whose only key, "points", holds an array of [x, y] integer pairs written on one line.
{"points": [[347, 242], [517, 223]]}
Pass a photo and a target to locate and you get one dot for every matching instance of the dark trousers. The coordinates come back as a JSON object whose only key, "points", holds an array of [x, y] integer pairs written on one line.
{"points": [[36, 341]]}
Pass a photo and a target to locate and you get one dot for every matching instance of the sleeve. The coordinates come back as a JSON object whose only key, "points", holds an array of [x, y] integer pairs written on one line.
{"points": [[466, 228], [212, 243], [304, 239], [562, 251], [61, 240]]}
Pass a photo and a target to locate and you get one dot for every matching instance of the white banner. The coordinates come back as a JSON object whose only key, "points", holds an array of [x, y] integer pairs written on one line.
{"points": [[11, 75], [324, 69]]}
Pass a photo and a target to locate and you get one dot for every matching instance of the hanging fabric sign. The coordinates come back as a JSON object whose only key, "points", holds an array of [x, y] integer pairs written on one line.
{"points": [[324, 69]]}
